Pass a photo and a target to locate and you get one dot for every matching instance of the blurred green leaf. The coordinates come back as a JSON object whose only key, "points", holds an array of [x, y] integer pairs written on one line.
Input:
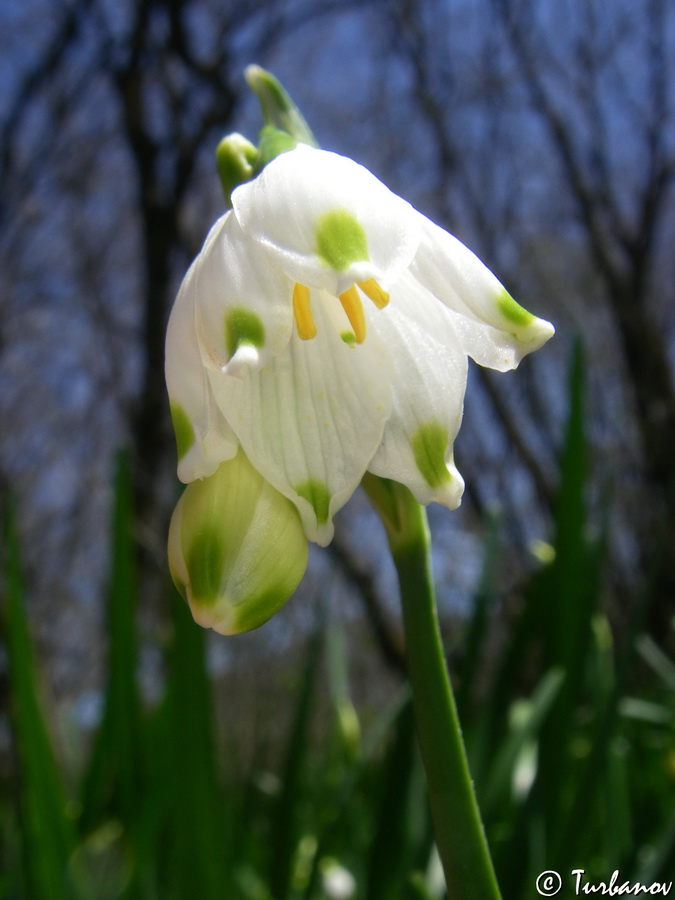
{"points": [[476, 634], [657, 660], [47, 835], [572, 740], [286, 823], [417, 889], [500, 785], [390, 856], [198, 839], [113, 784]]}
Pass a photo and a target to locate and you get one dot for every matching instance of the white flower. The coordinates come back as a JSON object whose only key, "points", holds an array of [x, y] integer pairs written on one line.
{"points": [[325, 328]]}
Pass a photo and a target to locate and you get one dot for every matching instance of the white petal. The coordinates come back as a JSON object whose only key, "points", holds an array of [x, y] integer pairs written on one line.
{"points": [[496, 331], [204, 437], [428, 396], [313, 417], [327, 220], [243, 305]]}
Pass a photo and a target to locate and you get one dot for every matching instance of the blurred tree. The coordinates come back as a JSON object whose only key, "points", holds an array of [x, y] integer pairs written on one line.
{"points": [[107, 135], [606, 101], [541, 133], [550, 128]]}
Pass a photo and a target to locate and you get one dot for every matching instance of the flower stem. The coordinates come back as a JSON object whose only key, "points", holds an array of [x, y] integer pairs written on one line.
{"points": [[459, 832]]}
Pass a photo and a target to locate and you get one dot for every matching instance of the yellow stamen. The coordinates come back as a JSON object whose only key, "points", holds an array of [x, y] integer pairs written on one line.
{"points": [[373, 291], [351, 303], [304, 320]]}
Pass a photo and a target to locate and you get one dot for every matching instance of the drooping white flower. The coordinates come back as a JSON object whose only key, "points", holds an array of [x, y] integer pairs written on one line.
{"points": [[325, 328]]}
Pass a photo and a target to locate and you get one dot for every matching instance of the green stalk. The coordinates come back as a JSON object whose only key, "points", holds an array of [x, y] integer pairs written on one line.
{"points": [[459, 832]]}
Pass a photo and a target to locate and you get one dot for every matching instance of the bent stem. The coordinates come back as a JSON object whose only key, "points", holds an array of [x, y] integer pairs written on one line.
{"points": [[459, 831]]}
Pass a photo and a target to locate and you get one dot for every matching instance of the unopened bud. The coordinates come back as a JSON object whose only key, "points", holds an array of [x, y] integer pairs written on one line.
{"points": [[237, 549], [235, 157]]}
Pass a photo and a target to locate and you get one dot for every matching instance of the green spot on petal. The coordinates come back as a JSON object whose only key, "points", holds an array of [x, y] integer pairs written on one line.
{"points": [[205, 560], [242, 327], [182, 426], [349, 338], [317, 494], [429, 444], [513, 311], [340, 240]]}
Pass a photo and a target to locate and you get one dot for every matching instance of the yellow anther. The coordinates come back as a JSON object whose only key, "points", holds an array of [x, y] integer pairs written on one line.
{"points": [[374, 292], [304, 320], [351, 303]]}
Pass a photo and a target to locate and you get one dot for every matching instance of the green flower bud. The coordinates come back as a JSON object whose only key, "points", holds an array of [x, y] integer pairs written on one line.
{"points": [[235, 158], [237, 549]]}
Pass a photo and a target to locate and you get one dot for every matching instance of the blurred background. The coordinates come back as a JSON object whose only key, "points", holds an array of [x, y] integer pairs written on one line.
{"points": [[542, 134]]}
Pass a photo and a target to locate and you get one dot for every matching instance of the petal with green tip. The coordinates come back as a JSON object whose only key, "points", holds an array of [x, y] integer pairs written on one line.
{"points": [[428, 387], [493, 329], [243, 308], [203, 437], [340, 240], [313, 417], [327, 221]]}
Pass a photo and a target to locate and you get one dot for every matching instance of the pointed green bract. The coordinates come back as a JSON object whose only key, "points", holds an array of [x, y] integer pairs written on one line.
{"points": [[340, 240], [278, 109], [182, 426], [429, 444]]}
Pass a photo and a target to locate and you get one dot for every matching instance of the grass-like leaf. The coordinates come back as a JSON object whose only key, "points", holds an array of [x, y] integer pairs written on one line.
{"points": [[198, 837], [47, 834]]}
